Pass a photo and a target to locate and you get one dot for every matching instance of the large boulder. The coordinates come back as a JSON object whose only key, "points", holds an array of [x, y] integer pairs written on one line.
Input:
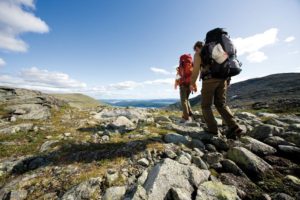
{"points": [[114, 193], [216, 191], [122, 124], [130, 113], [248, 161], [24, 127], [257, 147], [170, 174]]}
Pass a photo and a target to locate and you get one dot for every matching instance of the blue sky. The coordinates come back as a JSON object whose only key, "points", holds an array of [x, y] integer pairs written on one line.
{"points": [[129, 49]]}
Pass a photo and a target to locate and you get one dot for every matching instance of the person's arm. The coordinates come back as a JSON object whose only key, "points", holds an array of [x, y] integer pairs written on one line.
{"points": [[196, 68], [176, 79]]}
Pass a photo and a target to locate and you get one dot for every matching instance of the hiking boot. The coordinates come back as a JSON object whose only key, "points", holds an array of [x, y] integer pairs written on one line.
{"points": [[234, 133], [211, 132]]}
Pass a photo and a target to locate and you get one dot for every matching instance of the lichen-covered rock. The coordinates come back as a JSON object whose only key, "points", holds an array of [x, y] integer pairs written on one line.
{"points": [[248, 161], [171, 174], [266, 130], [176, 138], [216, 191]]}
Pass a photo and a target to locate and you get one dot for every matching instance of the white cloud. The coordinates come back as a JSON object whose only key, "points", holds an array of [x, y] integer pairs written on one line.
{"points": [[290, 39], [293, 52], [256, 57], [160, 71], [2, 62], [16, 17], [126, 85], [167, 81], [251, 46]]}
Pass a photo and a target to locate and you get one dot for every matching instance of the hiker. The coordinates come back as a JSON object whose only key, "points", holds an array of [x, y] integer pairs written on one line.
{"points": [[183, 78], [214, 89]]}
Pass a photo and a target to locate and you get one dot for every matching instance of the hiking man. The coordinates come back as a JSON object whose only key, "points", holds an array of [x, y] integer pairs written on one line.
{"points": [[213, 92], [183, 79]]}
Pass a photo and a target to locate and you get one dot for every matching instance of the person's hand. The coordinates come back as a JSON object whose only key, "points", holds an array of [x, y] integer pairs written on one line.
{"points": [[193, 88]]}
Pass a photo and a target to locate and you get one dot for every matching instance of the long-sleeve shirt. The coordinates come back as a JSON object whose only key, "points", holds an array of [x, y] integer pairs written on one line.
{"points": [[196, 68]]}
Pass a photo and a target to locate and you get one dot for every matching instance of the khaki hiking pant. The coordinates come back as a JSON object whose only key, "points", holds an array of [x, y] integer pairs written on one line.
{"points": [[185, 103], [214, 92]]}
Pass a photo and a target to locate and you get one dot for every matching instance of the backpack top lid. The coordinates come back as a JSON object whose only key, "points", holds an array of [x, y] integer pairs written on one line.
{"points": [[215, 35], [185, 58]]}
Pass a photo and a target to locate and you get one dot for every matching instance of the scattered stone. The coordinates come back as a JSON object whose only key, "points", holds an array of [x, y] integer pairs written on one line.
{"points": [[283, 196], [24, 127], [114, 193], [183, 159], [85, 190], [105, 138], [47, 145], [67, 134], [292, 180], [248, 161], [268, 115], [266, 130], [198, 144], [230, 167], [178, 194], [258, 147], [212, 158], [111, 177], [141, 180], [220, 143], [144, 162], [170, 154], [162, 119], [215, 191], [199, 162], [176, 138], [18, 195]]}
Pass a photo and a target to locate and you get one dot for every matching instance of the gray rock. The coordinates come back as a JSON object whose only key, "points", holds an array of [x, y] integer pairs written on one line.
{"points": [[141, 180], [269, 115], [275, 141], [114, 193], [47, 145], [24, 127], [248, 161], [212, 158], [266, 130], [199, 162], [220, 143], [122, 124], [293, 137], [290, 149], [170, 154], [293, 181], [130, 113], [215, 191], [144, 162], [176, 138], [140, 194], [276, 122], [18, 194], [30, 111], [183, 159], [162, 119], [230, 167], [187, 130], [171, 174], [111, 177], [198, 144], [258, 147], [85, 190], [283, 196]]}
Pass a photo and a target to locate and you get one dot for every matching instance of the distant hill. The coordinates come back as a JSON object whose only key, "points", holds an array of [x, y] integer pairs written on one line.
{"points": [[274, 89], [151, 103], [78, 100]]}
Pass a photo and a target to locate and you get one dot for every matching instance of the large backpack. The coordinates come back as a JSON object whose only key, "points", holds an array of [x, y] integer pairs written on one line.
{"points": [[185, 69], [219, 54]]}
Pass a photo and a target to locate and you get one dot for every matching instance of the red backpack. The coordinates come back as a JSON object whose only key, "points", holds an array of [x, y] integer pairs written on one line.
{"points": [[185, 69]]}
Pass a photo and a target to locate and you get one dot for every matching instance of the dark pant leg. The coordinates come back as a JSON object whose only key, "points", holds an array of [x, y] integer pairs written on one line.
{"points": [[207, 96], [184, 98], [220, 103]]}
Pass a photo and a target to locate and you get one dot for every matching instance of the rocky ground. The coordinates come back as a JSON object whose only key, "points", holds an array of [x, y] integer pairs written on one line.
{"points": [[50, 150]]}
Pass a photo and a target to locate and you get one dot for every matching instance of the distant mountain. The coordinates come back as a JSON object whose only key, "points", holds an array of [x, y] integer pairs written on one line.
{"points": [[78, 100], [277, 89], [150, 103]]}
